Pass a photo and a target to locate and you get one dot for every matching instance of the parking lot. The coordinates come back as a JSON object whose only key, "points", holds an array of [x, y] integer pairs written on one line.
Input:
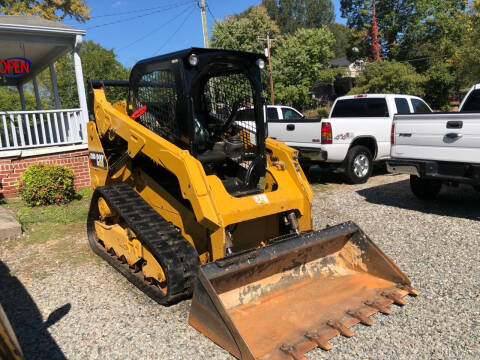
{"points": [[88, 311]]}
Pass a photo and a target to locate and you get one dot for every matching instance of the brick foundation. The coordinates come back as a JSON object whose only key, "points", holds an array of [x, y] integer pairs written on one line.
{"points": [[12, 167]]}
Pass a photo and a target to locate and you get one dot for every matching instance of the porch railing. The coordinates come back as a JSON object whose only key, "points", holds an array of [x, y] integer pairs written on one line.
{"points": [[40, 128]]}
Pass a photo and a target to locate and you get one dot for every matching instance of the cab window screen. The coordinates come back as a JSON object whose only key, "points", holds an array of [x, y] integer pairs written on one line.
{"points": [[402, 106], [472, 104], [366, 107], [156, 91]]}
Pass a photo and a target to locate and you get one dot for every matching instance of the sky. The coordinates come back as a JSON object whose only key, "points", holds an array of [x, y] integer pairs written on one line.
{"points": [[143, 28]]}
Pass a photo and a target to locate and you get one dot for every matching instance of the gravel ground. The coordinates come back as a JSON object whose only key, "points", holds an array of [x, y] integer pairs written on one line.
{"points": [[89, 311]]}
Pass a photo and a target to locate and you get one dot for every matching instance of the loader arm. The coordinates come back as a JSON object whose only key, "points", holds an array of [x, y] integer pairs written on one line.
{"points": [[188, 170]]}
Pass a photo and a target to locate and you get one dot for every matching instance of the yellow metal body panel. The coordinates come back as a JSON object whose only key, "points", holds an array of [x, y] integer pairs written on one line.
{"points": [[212, 207], [115, 237]]}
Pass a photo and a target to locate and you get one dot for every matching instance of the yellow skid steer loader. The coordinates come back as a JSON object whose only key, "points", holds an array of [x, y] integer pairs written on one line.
{"points": [[191, 197]]}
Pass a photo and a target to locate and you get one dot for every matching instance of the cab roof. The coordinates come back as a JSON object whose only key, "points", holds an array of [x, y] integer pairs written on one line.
{"points": [[185, 53]]}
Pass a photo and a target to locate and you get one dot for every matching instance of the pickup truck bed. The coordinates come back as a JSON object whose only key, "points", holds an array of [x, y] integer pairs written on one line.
{"points": [[436, 148]]}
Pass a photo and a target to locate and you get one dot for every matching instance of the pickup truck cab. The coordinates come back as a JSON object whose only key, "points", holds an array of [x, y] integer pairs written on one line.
{"points": [[438, 148], [356, 132]]}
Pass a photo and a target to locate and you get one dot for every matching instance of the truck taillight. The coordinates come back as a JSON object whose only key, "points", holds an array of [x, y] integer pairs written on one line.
{"points": [[392, 135], [326, 133]]}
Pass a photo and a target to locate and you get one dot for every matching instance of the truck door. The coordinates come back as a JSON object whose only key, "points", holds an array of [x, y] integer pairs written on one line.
{"points": [[292, 127]]}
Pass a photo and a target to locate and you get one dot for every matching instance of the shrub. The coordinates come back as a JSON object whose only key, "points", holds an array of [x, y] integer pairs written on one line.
{"points": [[389, 77], [323, 113], [46, 184]]}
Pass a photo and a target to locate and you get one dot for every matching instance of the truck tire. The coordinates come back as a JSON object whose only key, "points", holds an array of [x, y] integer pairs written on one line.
{"points": [[477, 188], [306, 166], [358, 164], [424, 189]]}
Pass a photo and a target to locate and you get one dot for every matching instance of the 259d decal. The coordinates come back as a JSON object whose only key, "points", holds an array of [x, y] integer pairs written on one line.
{"points": [[97, 159]]}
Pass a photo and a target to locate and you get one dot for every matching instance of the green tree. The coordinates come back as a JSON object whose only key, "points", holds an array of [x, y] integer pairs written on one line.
{"points": [[410, 28], [440, 82], [435, 30], [300, 61], [393, 17], [241, 32], [291, 15], [97, 63], [343, 39], [48, 9], [390, 77], [10, 100]]}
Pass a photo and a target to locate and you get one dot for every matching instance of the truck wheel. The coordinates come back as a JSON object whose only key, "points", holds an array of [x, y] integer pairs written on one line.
{"points": [[358, 164], [305, 166], [424, 189]]}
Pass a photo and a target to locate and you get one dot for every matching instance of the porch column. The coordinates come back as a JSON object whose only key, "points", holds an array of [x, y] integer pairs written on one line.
{"points": [[22, 97], [80, 85], [37, 94], [53, 76]]}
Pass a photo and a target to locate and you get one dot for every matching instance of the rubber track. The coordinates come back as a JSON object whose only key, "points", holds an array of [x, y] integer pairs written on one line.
{"points": [[179, 260]]}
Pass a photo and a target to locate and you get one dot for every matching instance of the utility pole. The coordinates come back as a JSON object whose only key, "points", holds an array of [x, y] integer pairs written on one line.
{"points": [[269, 46], [204, 24]]}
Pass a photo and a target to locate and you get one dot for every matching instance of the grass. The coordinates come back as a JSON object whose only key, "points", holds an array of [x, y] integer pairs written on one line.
{"points": [[41, 223], [53, 235]]}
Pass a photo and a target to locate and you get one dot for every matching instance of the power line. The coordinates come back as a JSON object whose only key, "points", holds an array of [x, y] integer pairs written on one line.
{"points": [[175, 32], [210, 12], [170, 7], [152, 31], [127, 12]]}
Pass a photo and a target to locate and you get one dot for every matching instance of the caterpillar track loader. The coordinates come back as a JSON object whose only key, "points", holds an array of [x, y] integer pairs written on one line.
{"points": [[191, 197]]}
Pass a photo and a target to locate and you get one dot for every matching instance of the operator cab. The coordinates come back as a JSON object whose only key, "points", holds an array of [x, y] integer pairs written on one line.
{"points": [[192, 98]]}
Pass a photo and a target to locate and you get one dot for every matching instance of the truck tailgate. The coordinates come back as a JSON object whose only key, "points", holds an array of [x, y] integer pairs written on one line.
{"points": [[438, 136]]}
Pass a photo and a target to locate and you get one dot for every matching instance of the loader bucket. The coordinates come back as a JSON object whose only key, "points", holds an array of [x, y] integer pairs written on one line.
{"points": [[285, 299]]}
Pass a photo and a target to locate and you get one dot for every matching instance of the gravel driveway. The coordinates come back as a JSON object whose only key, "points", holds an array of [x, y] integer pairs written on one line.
{"points": [[89, 311]]}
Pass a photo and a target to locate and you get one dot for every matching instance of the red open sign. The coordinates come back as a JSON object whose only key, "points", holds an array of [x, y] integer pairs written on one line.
{"points": [[15, 66]]}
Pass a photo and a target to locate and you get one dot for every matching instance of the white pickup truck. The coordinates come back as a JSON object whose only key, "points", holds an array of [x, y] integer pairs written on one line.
{"points": [[356, 132], [438, 148]]}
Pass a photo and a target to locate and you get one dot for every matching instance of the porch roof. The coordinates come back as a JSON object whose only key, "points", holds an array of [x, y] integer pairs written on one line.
{"points": [[39, 40]]}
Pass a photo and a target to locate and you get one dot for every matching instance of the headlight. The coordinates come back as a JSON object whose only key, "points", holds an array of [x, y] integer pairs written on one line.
{"points": [[193, 60], [261, 63]]}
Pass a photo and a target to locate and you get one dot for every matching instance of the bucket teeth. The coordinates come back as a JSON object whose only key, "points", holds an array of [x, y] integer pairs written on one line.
{"points": [[319, 340], [411, 290], [341, 328], [365, 320], [290, 350], [380, 307], [397, 298]]}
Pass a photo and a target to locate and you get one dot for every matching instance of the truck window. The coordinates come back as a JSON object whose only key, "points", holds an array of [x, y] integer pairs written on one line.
{"points": [[290, 115], [272, 114], [245, 115], [402, 106], [366, 107], [472, 104], [419, 107]]}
